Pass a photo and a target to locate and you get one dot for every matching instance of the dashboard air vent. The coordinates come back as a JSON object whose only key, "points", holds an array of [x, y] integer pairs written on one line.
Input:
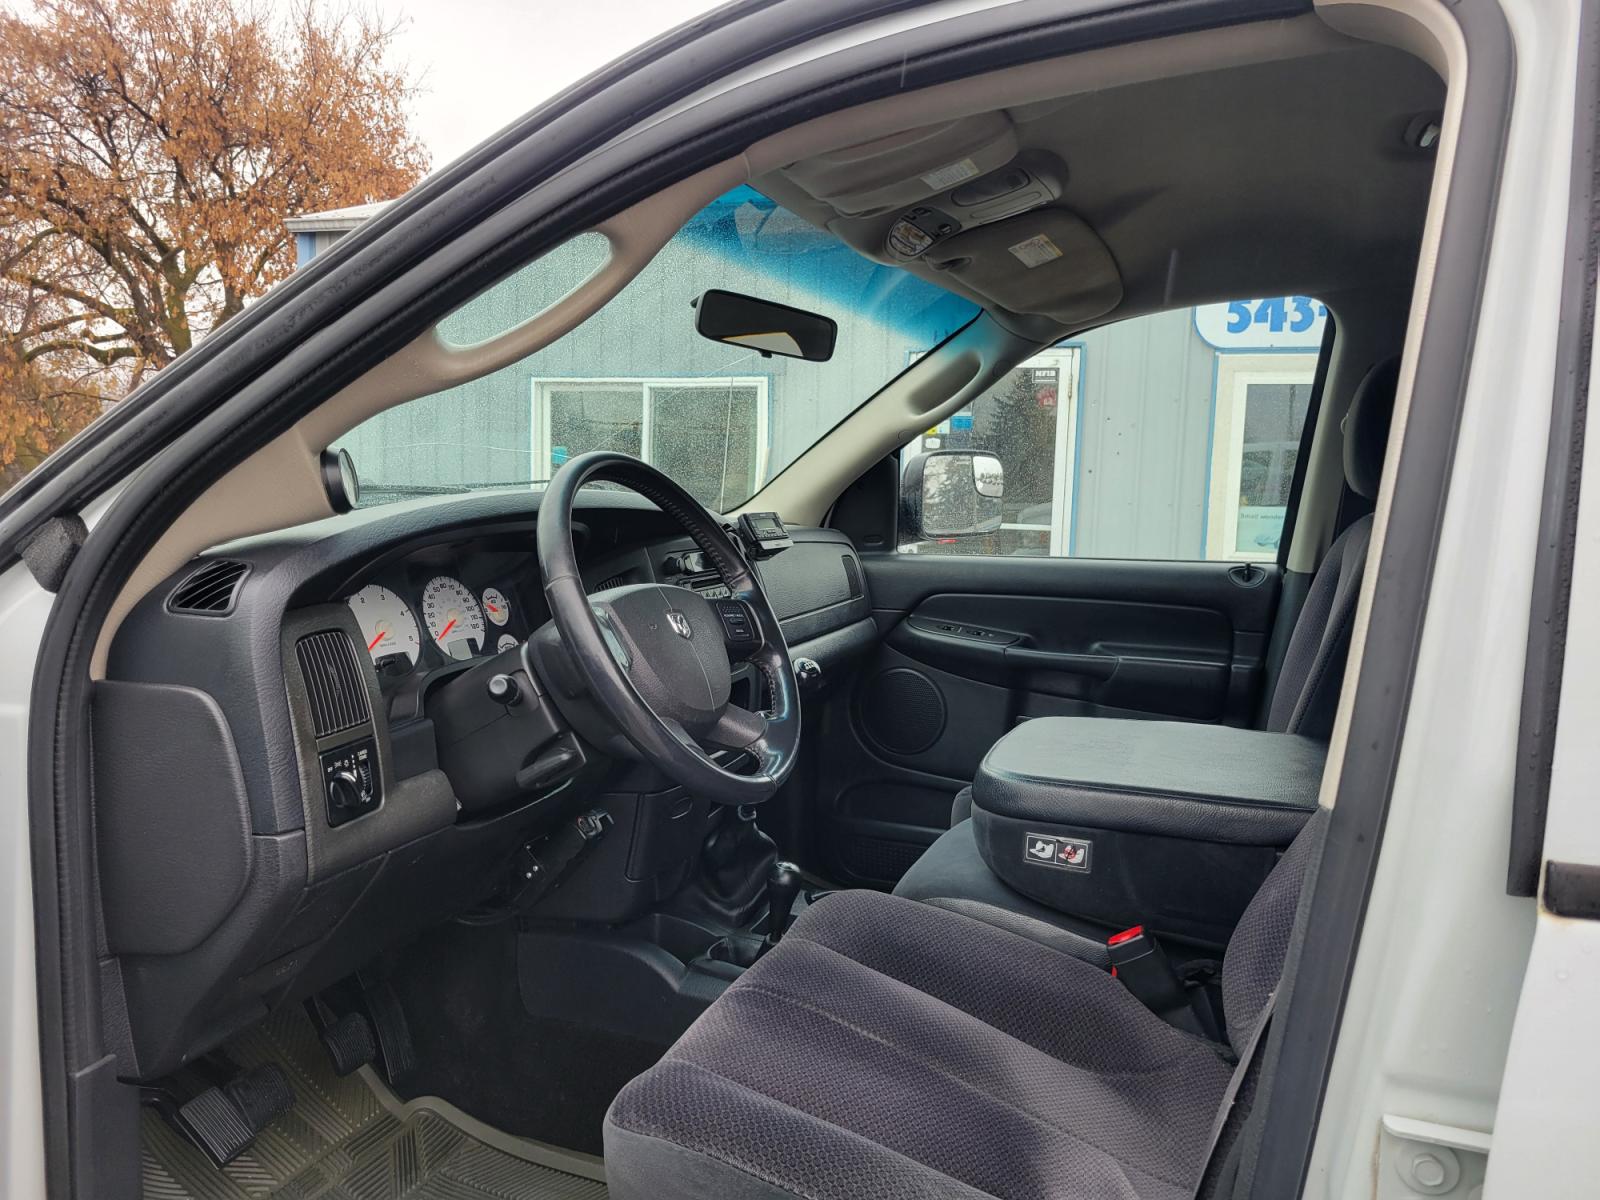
{"points": [[614, 581], [852, 576], [210, 589], [334, 684]]}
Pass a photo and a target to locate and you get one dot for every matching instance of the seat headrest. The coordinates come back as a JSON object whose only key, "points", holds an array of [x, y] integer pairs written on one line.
{"points": [[1366, 428]]}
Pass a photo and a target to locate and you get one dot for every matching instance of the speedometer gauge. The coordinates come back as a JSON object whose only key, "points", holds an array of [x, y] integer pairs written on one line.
{"points": [[387, 625], [452, 616]]}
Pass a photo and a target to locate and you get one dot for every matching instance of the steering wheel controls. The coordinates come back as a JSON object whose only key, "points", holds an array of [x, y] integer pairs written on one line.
{"points": [[737, 624]]}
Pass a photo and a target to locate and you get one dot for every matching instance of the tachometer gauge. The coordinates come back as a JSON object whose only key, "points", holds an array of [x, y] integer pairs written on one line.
{"points": [[453, 618], [387, 625], [496, 605]]}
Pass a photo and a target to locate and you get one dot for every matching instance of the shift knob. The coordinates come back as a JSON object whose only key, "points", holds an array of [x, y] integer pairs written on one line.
{"points": [[783, 885]]}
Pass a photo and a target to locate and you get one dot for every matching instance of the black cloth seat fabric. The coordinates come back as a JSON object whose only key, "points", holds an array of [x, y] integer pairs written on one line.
{"points": [[1306, 694], [895, 1050]]}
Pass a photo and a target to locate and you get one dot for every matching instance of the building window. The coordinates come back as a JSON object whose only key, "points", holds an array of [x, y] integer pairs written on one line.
{"points": [[1261, 406], [708, 435]]}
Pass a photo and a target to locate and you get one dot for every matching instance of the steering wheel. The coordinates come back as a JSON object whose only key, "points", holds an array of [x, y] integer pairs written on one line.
{"points": [[657, 659]]}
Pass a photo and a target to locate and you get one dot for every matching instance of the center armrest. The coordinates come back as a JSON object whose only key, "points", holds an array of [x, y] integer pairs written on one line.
{"points": [[1159, 823], [1212, 783]]}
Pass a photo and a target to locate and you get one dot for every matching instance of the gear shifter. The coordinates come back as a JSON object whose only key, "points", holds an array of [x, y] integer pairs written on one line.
{"points": [[783, 885]]}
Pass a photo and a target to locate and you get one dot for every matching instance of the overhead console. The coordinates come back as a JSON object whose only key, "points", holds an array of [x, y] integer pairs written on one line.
{"points": [[964, 201], [1172, 825]]}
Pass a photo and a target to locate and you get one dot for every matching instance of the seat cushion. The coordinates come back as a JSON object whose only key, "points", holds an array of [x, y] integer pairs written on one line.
{"points": [[952, 874], [890, 1048]]}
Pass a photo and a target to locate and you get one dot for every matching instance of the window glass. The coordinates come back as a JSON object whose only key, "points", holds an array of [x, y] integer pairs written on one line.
{"points": [[636, 377], [1170, 436]]}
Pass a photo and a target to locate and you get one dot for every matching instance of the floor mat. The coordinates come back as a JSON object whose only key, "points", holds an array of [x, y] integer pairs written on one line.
{"points": [[342, 1141], [477, 1046]]}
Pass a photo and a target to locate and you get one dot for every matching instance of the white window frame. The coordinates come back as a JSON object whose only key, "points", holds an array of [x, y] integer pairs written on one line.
{"points": [[540, 386], [1235, 373]]}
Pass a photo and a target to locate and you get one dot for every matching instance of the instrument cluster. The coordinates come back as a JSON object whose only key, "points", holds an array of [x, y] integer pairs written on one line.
{"points": [[422, 615]]}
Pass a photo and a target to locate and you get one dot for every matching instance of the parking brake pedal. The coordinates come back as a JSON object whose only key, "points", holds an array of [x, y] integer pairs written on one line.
{"points": [[224, 1120]]}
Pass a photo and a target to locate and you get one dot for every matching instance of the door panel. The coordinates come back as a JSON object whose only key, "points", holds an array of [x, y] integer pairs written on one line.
{"points": [[971, 646]]}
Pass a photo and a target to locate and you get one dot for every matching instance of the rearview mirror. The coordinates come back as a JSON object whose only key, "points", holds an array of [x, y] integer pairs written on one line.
{"points": [[952, 493], [764, 326]]}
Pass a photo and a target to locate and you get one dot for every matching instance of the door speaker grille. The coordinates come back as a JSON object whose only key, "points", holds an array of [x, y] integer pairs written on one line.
{"points": [[903, 711]]}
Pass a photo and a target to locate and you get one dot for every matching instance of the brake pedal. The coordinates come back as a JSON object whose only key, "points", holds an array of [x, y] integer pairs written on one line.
{"points": [[223, 1121], [350, 1044]]}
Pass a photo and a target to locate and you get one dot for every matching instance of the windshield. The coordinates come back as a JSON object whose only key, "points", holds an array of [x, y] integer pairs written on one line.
{"points": [[720, 419]]}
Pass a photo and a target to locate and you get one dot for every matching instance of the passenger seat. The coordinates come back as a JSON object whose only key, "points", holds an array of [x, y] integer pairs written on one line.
{"points": [[952, 874]]}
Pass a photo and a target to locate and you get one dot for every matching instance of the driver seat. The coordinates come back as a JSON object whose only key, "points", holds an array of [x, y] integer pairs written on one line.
{"points": [[890, 1048]]}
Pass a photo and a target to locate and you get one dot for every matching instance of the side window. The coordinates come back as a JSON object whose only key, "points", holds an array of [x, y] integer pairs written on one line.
{"points": [[1169, 436]]}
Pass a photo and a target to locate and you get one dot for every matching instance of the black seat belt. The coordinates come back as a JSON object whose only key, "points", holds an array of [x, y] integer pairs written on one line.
{"points": [[1230, 1095]]}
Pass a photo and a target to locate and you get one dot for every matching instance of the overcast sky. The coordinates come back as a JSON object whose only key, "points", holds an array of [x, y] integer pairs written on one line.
{"points": [[483, 63]]}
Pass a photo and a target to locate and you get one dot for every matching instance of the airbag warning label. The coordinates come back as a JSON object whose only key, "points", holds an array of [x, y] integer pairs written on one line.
{"points": [[1048, 850], [1036, 251]]}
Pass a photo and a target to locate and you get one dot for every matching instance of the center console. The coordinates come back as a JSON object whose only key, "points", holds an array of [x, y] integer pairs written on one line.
{"points": [[1172, 825]]}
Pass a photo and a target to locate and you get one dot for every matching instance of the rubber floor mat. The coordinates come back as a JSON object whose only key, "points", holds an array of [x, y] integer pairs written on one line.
{"points": [[342, 1142]]}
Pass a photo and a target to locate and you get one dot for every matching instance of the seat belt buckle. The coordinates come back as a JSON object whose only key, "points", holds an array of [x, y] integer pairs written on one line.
{"points": [[1144, 969]]}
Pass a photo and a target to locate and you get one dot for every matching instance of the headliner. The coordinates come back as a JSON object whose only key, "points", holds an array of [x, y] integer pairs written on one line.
{"points": [[1268, 178]]}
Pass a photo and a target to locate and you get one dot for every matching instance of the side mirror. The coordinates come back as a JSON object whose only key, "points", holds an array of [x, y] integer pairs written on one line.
{"points": [[952, 493], [764, 326]]}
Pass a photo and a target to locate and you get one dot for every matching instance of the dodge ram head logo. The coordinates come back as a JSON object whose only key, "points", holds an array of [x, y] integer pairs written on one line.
{"points": [[680, 623]]}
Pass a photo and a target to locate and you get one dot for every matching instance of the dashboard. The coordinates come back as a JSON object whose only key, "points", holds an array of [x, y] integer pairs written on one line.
{"points": [[278, 796]]}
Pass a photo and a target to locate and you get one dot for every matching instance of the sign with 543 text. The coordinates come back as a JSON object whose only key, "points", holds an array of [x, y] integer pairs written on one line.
{"points": [[1273, 323]]}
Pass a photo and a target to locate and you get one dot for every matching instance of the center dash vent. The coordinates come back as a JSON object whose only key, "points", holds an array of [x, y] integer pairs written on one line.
{"points": [[852, 576], [334, 684], [210, 589]]}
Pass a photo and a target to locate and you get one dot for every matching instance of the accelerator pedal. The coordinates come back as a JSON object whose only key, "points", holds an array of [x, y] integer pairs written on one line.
{"points": [[388, 1021], [224, 1120]]}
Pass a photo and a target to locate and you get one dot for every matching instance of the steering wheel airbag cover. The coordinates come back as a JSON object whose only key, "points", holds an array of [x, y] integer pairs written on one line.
{"points": [[653, 658]]}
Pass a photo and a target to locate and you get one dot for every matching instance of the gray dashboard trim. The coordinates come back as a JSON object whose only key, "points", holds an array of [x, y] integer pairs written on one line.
{"points": [[410, 808]]}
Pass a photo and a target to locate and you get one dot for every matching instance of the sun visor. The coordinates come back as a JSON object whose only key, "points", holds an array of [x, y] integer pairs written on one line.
{"points": [[906, 167], [1047, 261]]}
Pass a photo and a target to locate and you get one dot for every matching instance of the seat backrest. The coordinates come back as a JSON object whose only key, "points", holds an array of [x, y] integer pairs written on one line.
{"points": [[1260, 942], [1307, 692]]}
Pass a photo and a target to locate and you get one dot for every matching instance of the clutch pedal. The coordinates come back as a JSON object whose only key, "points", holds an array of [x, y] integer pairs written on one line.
{"points": [[223, 1121]]}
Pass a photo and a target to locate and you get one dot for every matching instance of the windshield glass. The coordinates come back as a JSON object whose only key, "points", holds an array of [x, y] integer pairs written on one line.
{"points": [[636, 377]]}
